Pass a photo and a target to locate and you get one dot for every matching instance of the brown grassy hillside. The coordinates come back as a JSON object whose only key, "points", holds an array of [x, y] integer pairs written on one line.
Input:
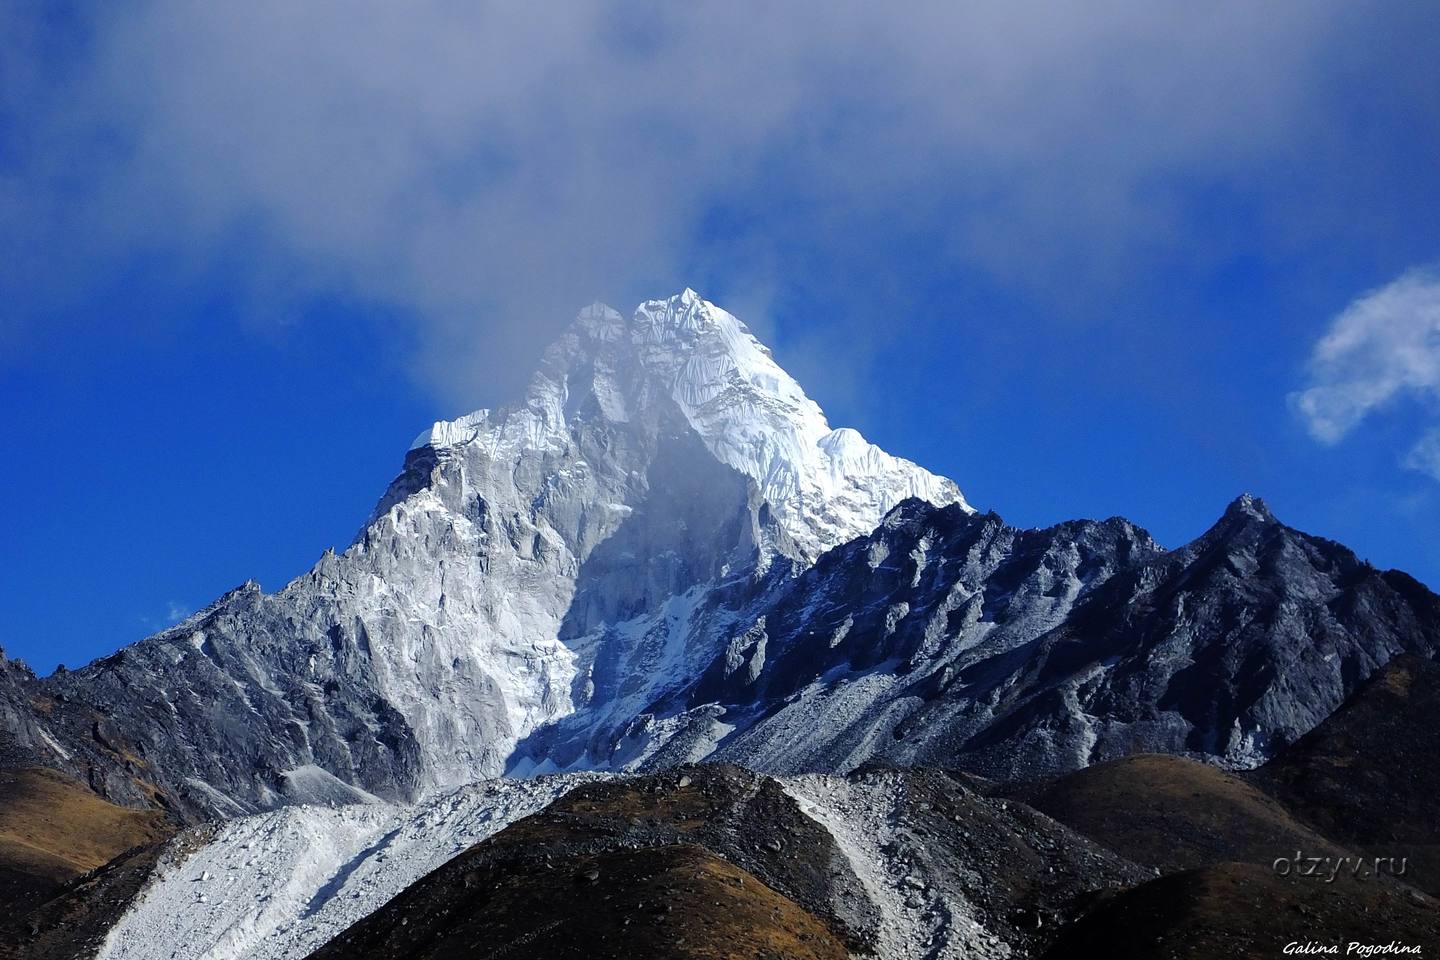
{"points": [[52, 829]]}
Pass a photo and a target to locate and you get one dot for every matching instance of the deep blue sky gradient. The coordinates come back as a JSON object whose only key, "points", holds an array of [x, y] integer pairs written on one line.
{"points": [[171, 426]]}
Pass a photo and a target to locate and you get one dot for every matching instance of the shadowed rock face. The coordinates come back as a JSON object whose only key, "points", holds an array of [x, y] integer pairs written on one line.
{"points": [[1230, 647], [944, 638]]}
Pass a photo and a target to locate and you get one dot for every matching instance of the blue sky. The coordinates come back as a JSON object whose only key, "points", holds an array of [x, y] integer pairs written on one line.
{"points": [[1132, 259]]}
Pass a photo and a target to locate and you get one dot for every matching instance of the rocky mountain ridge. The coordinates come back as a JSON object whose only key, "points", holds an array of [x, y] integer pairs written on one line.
{"points": [[664, 554], [950, 639]]}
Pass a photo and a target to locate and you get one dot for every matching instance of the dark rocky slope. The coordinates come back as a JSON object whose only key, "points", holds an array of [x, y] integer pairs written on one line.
{"points": [[720, 862], [673, 866], [42, 727], [942, 639], [73, 922], [1244, 910], [1173, 814], [1360, 789], [1362, 783], [950, 639]]}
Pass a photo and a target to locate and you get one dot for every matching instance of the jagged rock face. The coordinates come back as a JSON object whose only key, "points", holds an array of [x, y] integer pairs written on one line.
{"points": [[557, 554], [862, 656], [1231, 647], [42, 727], [945, 638], [813, 672], [21, 737]]}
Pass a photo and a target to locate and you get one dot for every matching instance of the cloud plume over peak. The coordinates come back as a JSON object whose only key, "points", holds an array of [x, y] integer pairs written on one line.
{"points": [[479, 166]]}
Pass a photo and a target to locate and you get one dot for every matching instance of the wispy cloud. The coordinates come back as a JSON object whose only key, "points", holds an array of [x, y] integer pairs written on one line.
{"points": [[1425, 455], [1383, 347], [174, 613]]}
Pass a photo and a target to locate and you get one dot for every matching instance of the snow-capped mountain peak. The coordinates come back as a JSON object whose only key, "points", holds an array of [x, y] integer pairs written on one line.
{"points": [[584, 552], [824, 486]]}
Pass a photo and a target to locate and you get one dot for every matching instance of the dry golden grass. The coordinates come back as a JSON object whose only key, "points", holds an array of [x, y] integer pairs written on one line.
{"points": [[53, 828]]}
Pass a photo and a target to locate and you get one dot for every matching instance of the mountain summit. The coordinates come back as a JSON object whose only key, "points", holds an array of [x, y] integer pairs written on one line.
{"points": [[823, 486], [664, 553], [564, 552]]}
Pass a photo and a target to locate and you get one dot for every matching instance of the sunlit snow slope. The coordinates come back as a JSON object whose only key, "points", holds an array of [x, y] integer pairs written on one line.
{"points": [[823, 485]]}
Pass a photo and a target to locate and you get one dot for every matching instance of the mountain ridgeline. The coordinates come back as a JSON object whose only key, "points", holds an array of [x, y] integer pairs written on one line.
{"points": [[664, 554]]}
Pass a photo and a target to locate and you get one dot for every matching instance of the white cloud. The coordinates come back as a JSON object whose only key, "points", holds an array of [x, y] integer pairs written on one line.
{"points": [[487, 164], [1383, 347]]}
